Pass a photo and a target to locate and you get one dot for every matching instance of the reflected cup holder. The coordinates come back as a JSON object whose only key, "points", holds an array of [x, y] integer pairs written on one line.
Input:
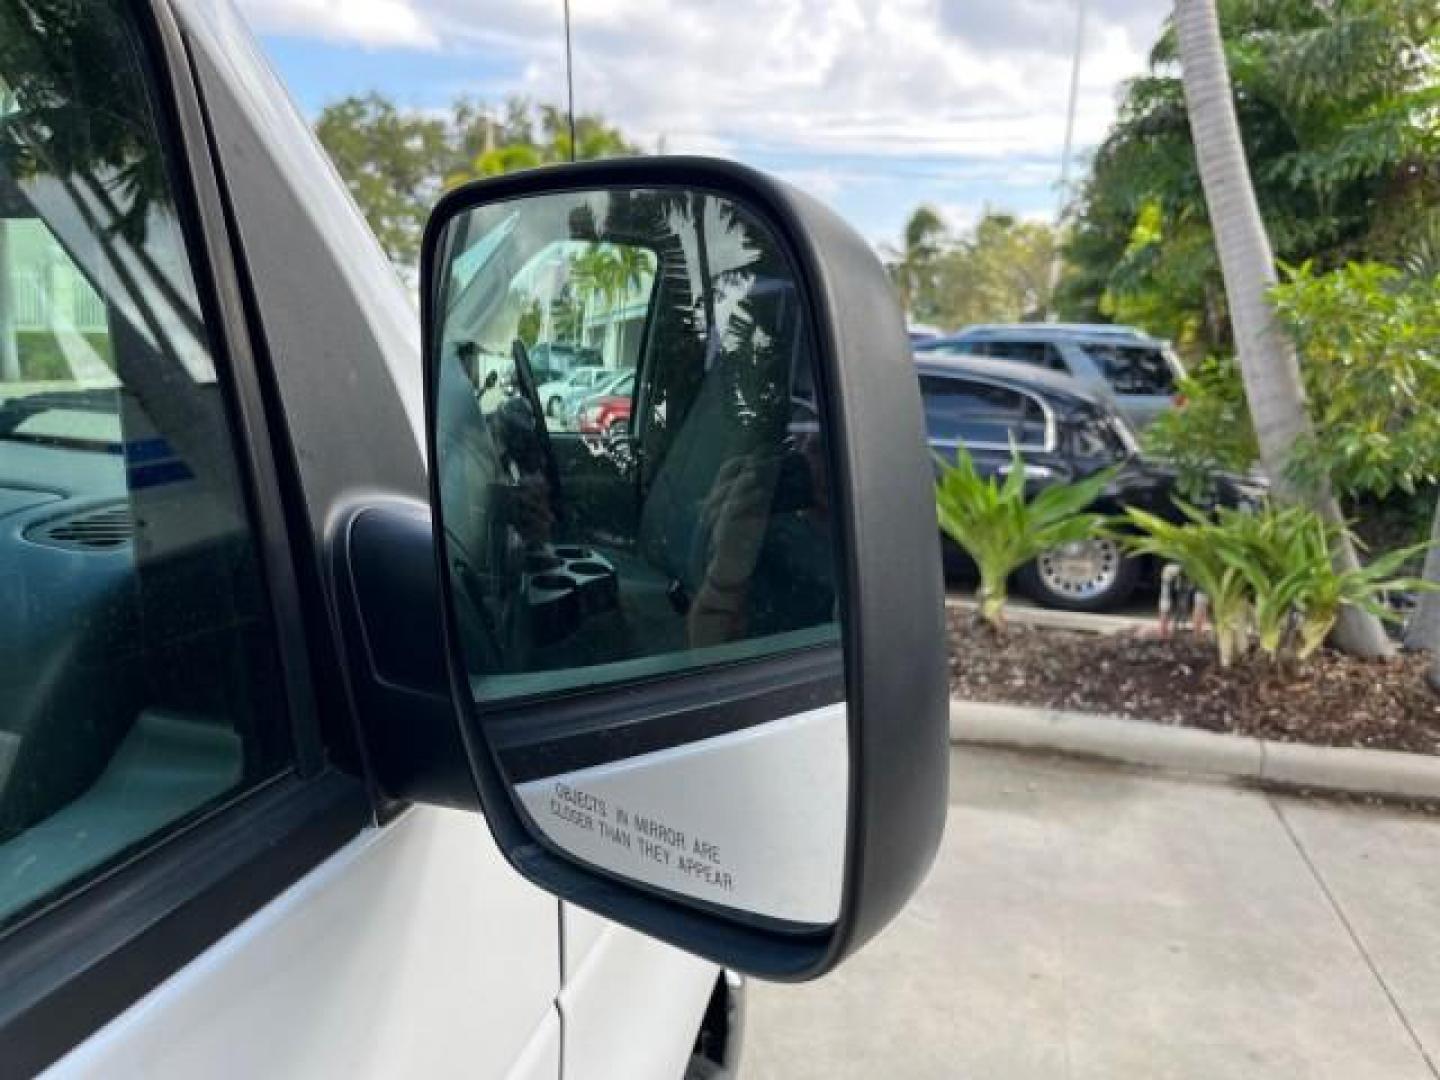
{"points": [[597, 585], [565, 585]]}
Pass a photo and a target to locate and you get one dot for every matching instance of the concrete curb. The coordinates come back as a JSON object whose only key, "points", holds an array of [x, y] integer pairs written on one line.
{"points": [[1063, 620], [1242, 757]]}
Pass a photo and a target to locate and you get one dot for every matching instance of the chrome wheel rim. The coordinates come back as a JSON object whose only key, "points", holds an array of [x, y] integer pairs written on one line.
{"points": [[1081, 570]]}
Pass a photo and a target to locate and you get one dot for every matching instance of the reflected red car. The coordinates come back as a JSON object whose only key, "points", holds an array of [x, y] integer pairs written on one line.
{"points": [[608, 415]]}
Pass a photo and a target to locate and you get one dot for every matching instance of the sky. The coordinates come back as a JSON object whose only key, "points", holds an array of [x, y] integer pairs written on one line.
{"points": [[873, 106]]}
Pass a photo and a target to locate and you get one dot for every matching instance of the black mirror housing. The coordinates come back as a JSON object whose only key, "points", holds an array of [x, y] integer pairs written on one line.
{"points": [[892, 632]]}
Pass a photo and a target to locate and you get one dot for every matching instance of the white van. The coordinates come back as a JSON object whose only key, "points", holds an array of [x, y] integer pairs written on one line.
{"points": [[316, 762]]}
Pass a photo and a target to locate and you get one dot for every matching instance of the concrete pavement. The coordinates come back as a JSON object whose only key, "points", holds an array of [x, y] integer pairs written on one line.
{"points": [[1091, 921]]}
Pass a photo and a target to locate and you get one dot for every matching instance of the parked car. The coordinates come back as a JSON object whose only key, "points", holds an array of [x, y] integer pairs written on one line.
{"points": [[607, 415], [556, 395], [616, 384], [1063, 432], [348, 728], [1137, 373], [553, 360]]}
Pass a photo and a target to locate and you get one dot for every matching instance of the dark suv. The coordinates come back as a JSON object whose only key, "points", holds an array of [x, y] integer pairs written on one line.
{"points": [[1138, 374], [1063, 432]]}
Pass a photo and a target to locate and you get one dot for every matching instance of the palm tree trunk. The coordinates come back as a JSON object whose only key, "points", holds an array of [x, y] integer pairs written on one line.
{"points": [[1423, 631], [1268, 364], [707, 287]]}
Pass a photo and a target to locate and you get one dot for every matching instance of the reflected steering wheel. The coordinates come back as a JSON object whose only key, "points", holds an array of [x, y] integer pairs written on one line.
{"points": [[530, 392]]}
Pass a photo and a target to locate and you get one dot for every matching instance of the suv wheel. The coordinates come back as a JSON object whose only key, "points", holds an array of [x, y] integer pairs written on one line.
{"points": [[1088, 575]]}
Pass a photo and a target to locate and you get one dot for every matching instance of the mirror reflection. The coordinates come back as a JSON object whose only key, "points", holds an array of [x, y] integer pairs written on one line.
{"points": [[634, 485]]}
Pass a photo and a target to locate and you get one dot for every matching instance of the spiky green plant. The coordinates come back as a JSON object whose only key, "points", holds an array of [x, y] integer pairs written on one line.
{"points": [[1272, 570], [1270, 549], [1317, 592], [1195, 546], [1001, 529]]}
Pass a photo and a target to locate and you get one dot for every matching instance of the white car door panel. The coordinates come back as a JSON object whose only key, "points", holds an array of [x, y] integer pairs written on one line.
{"points": [[414, 951], [540, 1060], [582, 931], [631, 1005]]}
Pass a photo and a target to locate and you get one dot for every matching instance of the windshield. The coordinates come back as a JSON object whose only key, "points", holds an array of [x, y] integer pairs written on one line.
{"points": [[1096, 435]]}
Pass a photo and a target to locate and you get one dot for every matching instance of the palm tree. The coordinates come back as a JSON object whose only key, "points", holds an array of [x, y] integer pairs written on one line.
{"points": [[609, 274], [913, 267], [1269, 366]]}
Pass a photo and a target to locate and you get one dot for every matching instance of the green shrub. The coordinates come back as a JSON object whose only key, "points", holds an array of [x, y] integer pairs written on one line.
{"points": [[1002, 530], [1369, 342], [1209, 430]]}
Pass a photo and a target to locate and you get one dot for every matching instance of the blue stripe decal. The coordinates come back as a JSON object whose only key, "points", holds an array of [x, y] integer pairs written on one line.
{"points": [[164, 472], [146, 450]]}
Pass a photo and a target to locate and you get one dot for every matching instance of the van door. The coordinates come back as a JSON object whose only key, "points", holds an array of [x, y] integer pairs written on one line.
{"points": [[190, 881]]}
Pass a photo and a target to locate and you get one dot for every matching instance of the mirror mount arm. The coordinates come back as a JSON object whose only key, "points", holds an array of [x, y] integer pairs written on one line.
{"points": [[382, 558]]}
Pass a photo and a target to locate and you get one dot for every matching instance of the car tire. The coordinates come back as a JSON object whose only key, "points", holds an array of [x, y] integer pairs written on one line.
{"points": [[1052, 581]]}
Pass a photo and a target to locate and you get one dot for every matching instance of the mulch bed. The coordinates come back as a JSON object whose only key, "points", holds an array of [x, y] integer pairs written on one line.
{"points": [[1333, 700]]}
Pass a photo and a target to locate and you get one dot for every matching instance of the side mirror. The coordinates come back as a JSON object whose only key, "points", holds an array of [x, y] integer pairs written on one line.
{"points": [[700, 670]]}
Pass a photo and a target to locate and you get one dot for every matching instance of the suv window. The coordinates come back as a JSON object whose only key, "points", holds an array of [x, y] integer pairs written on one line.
{"points": [[981, 414], [1035, 353], [138, 681], [1133, 369]]}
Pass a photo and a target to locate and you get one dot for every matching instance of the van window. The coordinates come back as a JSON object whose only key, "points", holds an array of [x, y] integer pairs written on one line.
{"points": [[138, 680], [1133, 369]]}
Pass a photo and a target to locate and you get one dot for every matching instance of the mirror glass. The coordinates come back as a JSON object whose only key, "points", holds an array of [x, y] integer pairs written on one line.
{"points": [[636, 501]]}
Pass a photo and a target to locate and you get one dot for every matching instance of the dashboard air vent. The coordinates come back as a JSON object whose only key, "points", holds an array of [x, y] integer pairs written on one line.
{"points": [[104, 528]]}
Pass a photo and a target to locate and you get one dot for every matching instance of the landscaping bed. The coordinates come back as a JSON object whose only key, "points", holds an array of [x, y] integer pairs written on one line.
{"points": [[1332, 700]]}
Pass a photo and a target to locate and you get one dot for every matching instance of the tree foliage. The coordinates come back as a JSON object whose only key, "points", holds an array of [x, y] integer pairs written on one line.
{"points": [[912, 267], [1369, 338], [396, 162], [391, 161], [1208, 430], [1337, 102], [999, 271], [43, 131]]}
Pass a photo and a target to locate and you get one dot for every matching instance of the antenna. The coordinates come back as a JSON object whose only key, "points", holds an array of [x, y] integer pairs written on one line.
{"points": [[569, 80]]}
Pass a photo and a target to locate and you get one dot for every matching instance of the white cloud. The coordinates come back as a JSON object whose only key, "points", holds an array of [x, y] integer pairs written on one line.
{"points": [[854, 77], [372, 23], [939, 78]]}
